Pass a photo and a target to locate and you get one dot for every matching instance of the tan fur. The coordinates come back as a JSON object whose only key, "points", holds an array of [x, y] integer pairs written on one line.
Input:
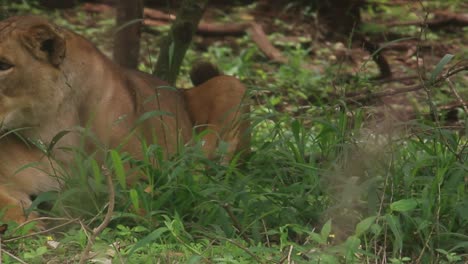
{"points": [[218, 105], [19, 178], [60, 81]]}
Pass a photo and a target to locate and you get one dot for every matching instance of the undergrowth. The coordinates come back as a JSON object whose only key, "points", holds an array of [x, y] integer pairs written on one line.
{"points": [[325, 183]]}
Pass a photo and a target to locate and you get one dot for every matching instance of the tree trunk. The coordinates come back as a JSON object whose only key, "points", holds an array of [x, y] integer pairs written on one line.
{"points": [[340, 19], [175, 44], [127, 36]]}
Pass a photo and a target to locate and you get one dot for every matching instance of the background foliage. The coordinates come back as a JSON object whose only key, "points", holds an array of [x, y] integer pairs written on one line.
{"points": [[329, 181]]}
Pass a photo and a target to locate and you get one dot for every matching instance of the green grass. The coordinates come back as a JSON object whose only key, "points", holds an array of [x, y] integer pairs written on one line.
{"points": [[324, 184]]}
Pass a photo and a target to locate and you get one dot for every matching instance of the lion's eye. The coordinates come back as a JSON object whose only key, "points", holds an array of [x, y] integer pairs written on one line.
{"points": [[5, 66]]}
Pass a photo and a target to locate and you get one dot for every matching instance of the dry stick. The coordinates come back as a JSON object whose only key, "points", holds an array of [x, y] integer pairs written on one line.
{"points": [[266, 233], [289, 254], [107, 218], [236, 223], [41, 232], [35, 220], [12, 256]]}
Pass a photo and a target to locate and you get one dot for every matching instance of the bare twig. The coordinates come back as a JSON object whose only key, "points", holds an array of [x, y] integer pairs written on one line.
{"points": [[289, 254], [39, 219], [69, 221], [235, 222], [107, 217], [12, 256], [266, 233], [457, 95]]}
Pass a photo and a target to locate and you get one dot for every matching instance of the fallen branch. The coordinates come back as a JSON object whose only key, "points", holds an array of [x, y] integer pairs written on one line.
{"points": [[405, 45], [207, 29], [236, 29], [367, 96], [453, 105], [389, 92], [158, 15], [254, 29], [96, 8], [153, 17], [442, 19], [261, 39], [397, 79]]}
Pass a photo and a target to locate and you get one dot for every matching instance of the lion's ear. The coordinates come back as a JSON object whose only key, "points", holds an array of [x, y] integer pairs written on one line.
{"points": [[45, 42]]}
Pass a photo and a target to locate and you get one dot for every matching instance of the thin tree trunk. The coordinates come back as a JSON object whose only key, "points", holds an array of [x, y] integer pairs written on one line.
{"points": [[127, 37], [340, 19], [175, 44]]}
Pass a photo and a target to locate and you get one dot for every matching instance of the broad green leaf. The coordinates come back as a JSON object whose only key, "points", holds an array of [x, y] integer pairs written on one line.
{"points": [[440, 66], [395, 227], [404, 205], [352, 245], [317, 238], [364, 225], [134, 199], [326, 229], [56, 139], [118, 168], [98, 178], [148, 239]]}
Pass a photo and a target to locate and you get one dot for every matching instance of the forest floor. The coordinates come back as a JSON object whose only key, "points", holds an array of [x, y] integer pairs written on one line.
{"points": [[345, 168]]}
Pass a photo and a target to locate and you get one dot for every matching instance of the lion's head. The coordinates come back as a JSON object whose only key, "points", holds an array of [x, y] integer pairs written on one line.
{"points": [[31, 83]]}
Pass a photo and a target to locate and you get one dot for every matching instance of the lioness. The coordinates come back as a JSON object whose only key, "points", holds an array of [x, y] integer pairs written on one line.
{"points": [[52, 80], [24, 171]]}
